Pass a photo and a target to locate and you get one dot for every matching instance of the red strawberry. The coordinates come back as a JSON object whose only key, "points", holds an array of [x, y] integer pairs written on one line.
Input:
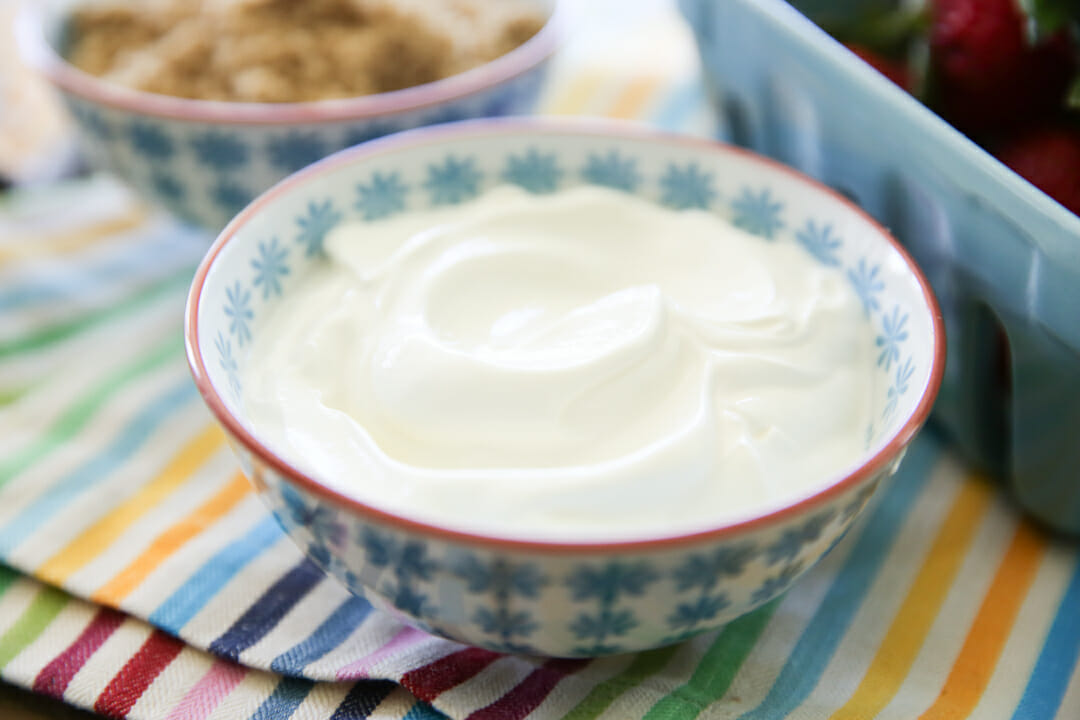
{"points": [[894, 70], [1049, 157], [987, 78]]}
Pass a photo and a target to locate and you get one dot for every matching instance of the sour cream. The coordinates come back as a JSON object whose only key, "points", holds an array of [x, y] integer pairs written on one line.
{"points": [[578, 366]]}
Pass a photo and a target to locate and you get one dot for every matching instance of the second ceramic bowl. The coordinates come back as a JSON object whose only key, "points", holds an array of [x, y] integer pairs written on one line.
{"points": [[206, 160]]}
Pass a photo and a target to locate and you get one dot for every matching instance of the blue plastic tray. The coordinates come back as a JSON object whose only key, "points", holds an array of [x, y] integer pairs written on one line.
{"points": [[1003, 257]]}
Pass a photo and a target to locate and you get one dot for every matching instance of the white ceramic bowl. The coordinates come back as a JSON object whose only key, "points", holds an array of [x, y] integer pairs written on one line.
{"points": [[568, 598], [205, 160]]}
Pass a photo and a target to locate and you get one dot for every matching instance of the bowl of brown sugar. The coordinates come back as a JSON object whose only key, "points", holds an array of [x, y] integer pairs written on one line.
{"points": [[203, 104]]}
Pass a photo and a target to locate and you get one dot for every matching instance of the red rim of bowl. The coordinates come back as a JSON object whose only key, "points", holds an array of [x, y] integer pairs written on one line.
{"points": [[40, 54], [601, 129]]}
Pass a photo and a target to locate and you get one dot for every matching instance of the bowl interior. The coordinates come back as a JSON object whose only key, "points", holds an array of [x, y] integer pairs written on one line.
{"points": [[268, 247], [45, 36]]}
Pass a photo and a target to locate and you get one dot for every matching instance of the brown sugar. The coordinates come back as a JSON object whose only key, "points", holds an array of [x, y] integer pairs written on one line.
{"points": [[291, 50]]}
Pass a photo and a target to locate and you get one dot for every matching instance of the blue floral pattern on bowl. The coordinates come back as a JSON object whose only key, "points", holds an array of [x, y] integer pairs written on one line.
{"points": [[538, 173], [687, 187], [205, 169], [589, 600]]}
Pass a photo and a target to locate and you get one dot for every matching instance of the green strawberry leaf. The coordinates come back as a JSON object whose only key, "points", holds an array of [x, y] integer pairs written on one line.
{"points": [[887, 28], [1046, 17], [1072, 98], [831, 13]]}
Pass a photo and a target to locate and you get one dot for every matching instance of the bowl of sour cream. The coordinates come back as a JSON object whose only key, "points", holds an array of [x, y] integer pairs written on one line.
{"points": [[568, 389]]}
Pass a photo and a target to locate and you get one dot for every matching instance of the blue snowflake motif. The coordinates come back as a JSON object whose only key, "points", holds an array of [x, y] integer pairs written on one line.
{"points": [[150, 141], [820, 242], [413, 563], [689, 615], [168, 187], [533, 171], [899, 387], [603, 625], [228, 362], [379, 548], [893, 333], [501, 577], [319, 220], [230, 197], [295, 150], [410, 601], [688, 187], [705, 571], [382, 197], [296, 508], [93, 122], [220, 151], [333, 564], [613, 171], [352, 582], [370, 131], [238, 310], [325, 526], [758, 214], [793, 540], [409, 560], [321, 521], [607, 582], [453, 182], [320, 554], [864, 279], [506, 623], [773, 586], [270, 267]]}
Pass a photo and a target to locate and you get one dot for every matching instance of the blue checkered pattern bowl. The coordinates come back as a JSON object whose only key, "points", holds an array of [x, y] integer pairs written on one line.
{"points": [[205, 160], [558, 598]]}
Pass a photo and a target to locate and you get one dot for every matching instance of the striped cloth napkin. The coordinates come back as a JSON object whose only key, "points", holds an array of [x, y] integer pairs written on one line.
{"points": [[142, 578]]}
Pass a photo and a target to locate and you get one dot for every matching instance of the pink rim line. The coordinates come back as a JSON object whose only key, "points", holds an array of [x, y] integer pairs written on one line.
{"points": [[30, 29], [607, 129]]}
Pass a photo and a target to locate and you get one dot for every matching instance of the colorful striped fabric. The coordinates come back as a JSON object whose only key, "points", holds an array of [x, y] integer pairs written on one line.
{"points": [[143, 579]]}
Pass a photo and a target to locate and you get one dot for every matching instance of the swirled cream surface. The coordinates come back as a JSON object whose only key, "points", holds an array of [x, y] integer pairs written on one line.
{"points": [[578, 366]]}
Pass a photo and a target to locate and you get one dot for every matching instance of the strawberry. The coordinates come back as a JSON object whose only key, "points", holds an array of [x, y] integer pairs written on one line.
{"points": [[987, 77], [1049, 157], [893, 69]]}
